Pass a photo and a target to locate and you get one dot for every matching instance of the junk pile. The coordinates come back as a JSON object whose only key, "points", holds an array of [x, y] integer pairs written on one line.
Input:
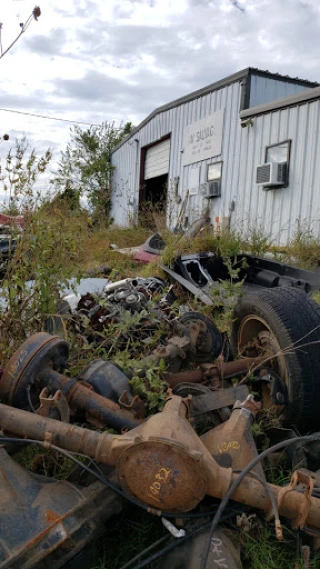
{"points": [[183, 463]]}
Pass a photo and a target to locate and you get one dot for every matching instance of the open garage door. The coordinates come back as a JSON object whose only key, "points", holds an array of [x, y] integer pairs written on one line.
{"points": [[157, 160], [154, 184]]}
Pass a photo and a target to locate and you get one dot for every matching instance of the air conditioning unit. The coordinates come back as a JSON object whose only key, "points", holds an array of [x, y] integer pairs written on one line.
{"points": [[272, 174], [212, 189]]}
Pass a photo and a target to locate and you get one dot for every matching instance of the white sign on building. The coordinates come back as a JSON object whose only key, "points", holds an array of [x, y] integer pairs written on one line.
{"points": [[202, 139]]}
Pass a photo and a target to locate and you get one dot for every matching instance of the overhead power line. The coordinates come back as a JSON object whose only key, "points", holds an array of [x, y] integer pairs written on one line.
{"points": [[48, 118]]}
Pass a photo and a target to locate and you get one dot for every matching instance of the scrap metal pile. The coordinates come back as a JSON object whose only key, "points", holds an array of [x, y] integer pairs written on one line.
{"points": [[184, 462]]}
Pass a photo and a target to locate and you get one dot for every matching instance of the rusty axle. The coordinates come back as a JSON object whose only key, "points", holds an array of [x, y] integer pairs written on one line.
{"points": [[213, 372], [165, 464], [38, 363]]}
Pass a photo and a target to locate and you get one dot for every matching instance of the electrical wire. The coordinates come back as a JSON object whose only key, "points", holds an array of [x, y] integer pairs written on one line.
{"points": [[236, 483], [142, 553], [55, 118], [173, 544], [49, 118]]}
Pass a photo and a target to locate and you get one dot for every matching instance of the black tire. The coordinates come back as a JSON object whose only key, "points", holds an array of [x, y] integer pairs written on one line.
{"points": [[293, 319], [210, 346]]}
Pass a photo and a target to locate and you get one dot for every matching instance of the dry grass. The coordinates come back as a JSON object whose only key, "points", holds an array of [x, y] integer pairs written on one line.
{"points": [[95, 250]]}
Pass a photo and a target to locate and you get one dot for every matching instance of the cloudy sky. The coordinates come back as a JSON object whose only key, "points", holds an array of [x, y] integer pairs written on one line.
{"points": [[117, 60]]}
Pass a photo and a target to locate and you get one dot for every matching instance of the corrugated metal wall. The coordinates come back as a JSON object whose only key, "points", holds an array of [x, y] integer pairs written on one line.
{"points": [[273, 212], [264, 89], [126, 159], [281, 212]]}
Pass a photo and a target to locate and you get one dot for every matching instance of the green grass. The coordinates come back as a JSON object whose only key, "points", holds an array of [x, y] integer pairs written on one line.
{"points": [[261, 550]]}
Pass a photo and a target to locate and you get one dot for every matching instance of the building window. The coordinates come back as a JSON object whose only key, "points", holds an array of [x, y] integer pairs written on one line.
{"points": [[280, 153], [214, 172], [213, 184]]}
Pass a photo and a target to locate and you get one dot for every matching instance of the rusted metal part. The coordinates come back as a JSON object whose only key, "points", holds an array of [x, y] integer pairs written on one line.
{"points": [[135, 405], [184, 342], [97, 408], [80, 396], [177, 473], [36, 364], [209, 343], [100, 446], [218, 399], [168, 430], [179, 481], [180, 467], [44, 522], [108, 380], [187, 376], [176, 347], [307, 482], [213, 372], [231, 444], [57, 402], [227, 370], [39, 352]]}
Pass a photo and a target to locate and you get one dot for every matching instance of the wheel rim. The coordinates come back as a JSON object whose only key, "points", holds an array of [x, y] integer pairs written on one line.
{"points": [[256, 336]]}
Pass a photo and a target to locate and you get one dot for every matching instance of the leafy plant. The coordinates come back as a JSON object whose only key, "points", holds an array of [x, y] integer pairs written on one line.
{"points": [[151, 387], [43, 262], [19, 172], [304, 248], [85, 167], [257, 242]]}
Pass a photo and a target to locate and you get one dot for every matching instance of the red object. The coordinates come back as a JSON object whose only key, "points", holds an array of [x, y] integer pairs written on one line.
{"points": [[144, 256], [12, 220]]}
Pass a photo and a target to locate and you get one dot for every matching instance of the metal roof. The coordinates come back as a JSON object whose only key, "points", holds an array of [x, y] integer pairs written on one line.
{"points": [[240, 75], [291, 101]]}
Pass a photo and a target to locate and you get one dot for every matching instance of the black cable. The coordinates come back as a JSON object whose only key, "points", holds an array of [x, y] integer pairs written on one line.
{"points": [[173, 544], [236, 483], [144, 551], [114, 487]]}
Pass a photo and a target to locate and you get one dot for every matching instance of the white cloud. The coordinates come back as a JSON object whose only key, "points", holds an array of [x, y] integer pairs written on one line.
{"points": [[117, 60]]}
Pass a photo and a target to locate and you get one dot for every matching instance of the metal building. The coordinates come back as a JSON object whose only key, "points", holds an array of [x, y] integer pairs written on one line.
{"points": [[199, 154], [283, 139]]}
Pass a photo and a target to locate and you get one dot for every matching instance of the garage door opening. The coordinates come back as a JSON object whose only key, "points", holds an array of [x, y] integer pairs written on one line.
{"points": [[154, 184]]}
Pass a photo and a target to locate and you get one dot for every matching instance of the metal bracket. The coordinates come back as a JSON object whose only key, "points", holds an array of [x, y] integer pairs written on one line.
{"points": [[299, 477], [57, 401]]}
